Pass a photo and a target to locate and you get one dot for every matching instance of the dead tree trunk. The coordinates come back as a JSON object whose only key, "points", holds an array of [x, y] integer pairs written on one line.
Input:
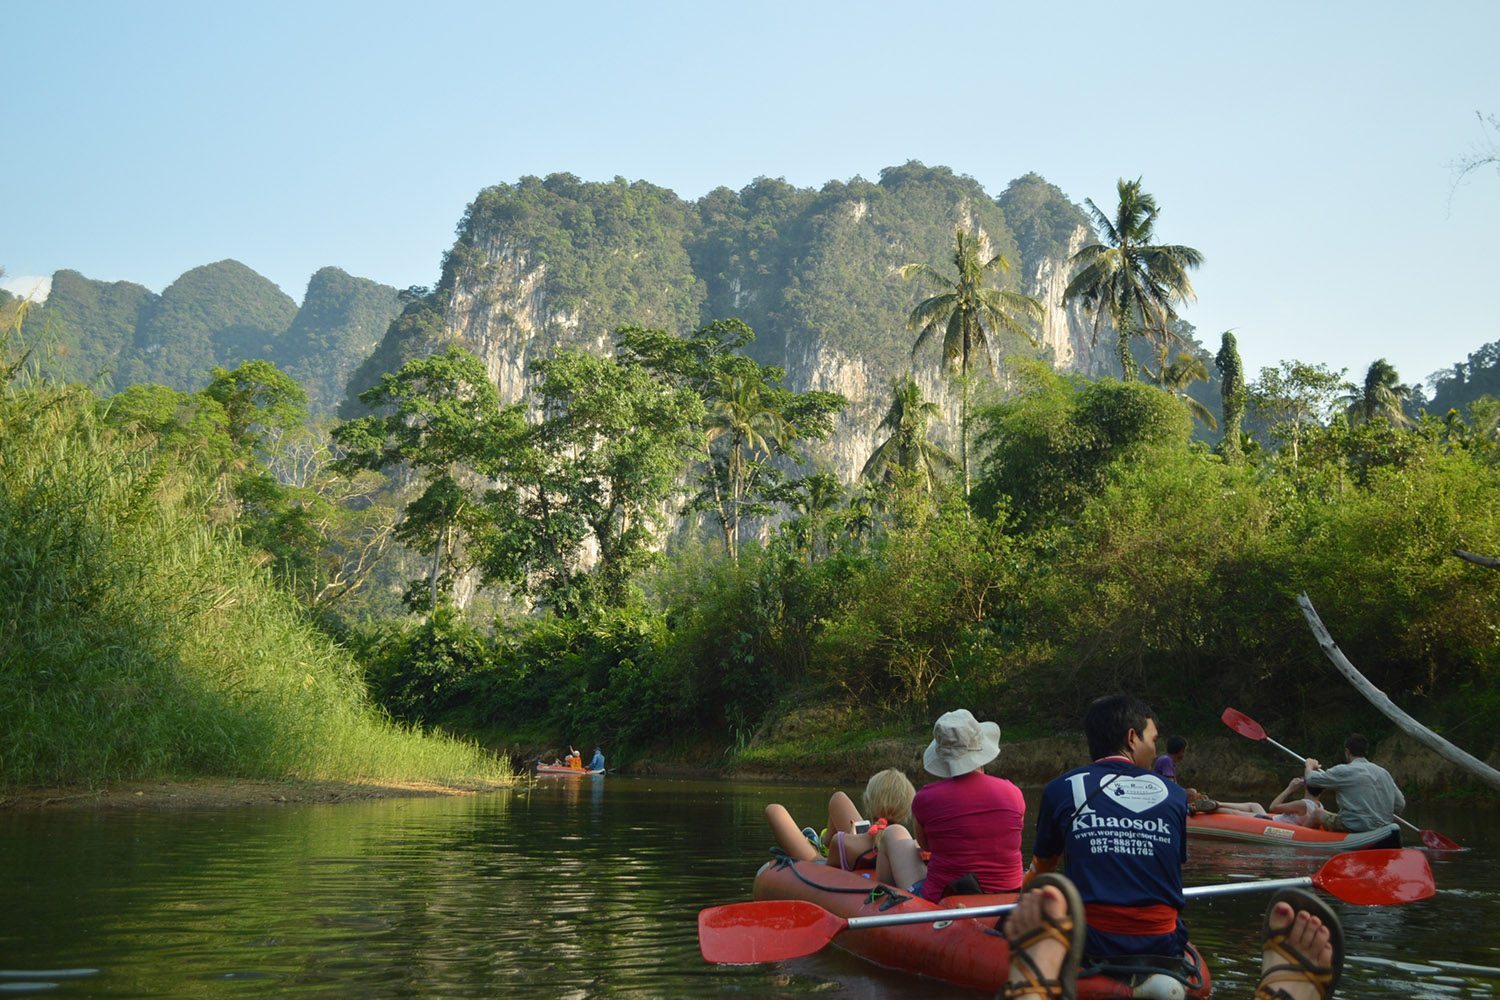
{"points": [[1478, 559], [1376, 697]]}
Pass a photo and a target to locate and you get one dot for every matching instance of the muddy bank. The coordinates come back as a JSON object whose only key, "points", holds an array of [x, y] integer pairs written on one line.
{"points": [[225, 793]]}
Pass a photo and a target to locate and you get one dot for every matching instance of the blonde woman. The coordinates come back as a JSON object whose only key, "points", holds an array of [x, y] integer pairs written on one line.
{"points": [[849, 839]]}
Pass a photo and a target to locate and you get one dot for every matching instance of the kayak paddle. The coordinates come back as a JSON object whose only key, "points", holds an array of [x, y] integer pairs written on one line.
{"points": [[775, 930], [1248, 727]]}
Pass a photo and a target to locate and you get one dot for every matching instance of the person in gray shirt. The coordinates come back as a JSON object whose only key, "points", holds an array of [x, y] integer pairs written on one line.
{"points": [[1368, 796]]}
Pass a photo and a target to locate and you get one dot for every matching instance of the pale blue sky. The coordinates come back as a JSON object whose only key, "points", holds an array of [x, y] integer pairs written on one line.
{"points": [[1306, 149]]}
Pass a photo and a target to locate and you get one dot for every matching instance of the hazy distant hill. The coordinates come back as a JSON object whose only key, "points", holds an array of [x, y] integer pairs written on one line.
{"points": [[113, 334], [1455, 387], [341, 320]]}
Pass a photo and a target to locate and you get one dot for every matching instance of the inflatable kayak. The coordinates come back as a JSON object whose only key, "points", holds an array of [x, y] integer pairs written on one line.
{"points": [[963, 952], [1274, 833], [555, 769]]}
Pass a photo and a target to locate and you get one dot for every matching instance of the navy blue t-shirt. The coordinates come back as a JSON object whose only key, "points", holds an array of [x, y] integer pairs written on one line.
{"points": [[1124, 845]]}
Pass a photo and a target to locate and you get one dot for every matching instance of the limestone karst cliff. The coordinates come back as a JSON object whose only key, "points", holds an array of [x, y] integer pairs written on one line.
{"points": [[549, 262]]}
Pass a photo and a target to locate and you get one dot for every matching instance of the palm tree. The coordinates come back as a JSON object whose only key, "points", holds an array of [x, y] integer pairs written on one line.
{"points": [[970, 315], [1177, 374], [1127, 277], [745, 424], [907, 448], [1381, 397]]}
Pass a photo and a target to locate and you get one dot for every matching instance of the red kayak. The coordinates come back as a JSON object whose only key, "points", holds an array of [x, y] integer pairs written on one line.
{"points": [[1274, 833], [557, 769], [963, 952]]}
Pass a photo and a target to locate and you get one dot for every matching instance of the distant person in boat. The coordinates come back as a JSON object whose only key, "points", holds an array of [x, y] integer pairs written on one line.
{"points": [[1302, 945], [1121, 830], [969, 822], [1301, 804], [849, 840], [1166, 767], [596, 763], [575, 759], [1166, 764], [1368, 796]]}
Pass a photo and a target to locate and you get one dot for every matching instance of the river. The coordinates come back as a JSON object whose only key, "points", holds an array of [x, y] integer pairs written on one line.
{"points": [[574, 887]]}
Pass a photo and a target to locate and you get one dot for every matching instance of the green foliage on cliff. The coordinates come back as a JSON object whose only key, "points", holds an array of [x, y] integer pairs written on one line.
{"points": [[1042, 218], [341, 321], [217, 314], [85, 331], [1469, 380]]}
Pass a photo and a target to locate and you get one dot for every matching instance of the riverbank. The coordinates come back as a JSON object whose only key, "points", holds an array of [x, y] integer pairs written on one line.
{"points": [[822, 746], [226, 793]]}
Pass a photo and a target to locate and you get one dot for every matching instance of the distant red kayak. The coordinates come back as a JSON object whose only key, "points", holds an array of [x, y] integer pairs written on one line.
{"points": [[1274, 833], [963, 952], [553, 769]]}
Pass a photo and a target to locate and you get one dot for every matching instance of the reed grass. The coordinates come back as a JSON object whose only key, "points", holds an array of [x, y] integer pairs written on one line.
{"points": [[139, 640]]}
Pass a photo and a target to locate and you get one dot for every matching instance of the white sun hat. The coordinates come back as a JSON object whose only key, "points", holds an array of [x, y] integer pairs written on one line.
{"points": [[960, 744]]}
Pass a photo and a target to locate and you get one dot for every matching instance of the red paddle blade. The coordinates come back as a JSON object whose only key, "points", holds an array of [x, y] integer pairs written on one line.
{"points": [[1438, 842], [1242, 724], [771, 930], [1377, 878]]}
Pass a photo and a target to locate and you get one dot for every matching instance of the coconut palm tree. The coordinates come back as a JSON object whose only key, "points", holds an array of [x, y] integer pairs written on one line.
{"points": [[907, 448], [969, 314], [743, 425], [1177, 374], [1382, 396], [1129, 279]]}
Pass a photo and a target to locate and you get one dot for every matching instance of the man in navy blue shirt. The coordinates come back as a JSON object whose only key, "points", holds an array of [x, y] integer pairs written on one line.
{"points": [[1122, 832]]}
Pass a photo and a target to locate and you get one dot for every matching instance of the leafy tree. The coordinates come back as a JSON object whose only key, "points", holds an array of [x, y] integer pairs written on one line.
{"points": [[1058, 442], [257, 399], [622, 441], [1381, 396], [1128, 278], [969, 315], [751, 421], [440, 416], [1232, 387], [1294, 396], [814, 502], [907, 448]]}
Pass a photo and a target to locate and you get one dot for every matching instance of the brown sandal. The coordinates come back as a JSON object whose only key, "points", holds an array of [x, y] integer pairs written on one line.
{"points": [[1069, 930], [1299, 968]]}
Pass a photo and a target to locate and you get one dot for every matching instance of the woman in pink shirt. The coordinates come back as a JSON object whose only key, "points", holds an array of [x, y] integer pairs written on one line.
{"points": [[969, 822]]}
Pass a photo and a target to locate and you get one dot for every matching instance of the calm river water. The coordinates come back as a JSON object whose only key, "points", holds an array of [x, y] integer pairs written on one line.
{"points": [[572, 888]]}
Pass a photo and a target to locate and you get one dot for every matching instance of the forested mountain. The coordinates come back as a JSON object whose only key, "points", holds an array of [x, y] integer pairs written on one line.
{"points": [[546, 262], [114, 334], [1456, 387]]}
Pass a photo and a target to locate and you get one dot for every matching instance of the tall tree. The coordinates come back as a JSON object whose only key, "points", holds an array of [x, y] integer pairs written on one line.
{"points": [[969, 314], [440, 416], [1232, 390], [1128, 278], [907, 448], [753, 424], [1381, 396], [1295, 396]]}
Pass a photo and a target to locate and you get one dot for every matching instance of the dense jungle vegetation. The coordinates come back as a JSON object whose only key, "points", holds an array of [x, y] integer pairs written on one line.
{"points": [[641, 552]]}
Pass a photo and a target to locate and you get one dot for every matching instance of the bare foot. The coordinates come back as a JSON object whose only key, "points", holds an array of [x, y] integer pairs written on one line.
{"points": [[1306, 935], [1046, 952]]}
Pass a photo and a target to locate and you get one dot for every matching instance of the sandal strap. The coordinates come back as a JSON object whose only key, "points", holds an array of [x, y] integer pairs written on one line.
{"points": [[1297, 968], [1060, 930]]}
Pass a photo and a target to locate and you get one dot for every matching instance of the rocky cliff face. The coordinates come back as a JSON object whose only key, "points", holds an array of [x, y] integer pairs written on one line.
{"points": [[814, 271]]}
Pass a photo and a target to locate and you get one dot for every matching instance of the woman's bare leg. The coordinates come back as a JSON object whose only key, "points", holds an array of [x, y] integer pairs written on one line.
{"points": [[897, 862], [842, 815], [788, 834]]}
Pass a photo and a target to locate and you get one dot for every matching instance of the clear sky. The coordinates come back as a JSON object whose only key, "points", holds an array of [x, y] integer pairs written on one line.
{"points": [[1306, 149]]}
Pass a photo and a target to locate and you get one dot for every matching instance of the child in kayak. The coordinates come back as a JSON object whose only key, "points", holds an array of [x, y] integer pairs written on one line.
{"points": [[848, 840]]}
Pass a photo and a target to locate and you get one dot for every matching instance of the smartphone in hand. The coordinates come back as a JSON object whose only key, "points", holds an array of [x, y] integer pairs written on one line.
{"points": [[862, 826]]}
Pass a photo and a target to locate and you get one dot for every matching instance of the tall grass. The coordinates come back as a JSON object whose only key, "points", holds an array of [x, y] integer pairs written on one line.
{"points": [[137, 638]]}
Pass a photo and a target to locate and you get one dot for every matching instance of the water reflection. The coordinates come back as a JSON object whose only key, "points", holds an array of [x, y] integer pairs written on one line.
{"points": [[574, 887]]}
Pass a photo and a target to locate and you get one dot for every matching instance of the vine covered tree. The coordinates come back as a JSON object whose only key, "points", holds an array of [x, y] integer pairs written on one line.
{"points": [[970, 315], [1129, 279], [1232, 387]]}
